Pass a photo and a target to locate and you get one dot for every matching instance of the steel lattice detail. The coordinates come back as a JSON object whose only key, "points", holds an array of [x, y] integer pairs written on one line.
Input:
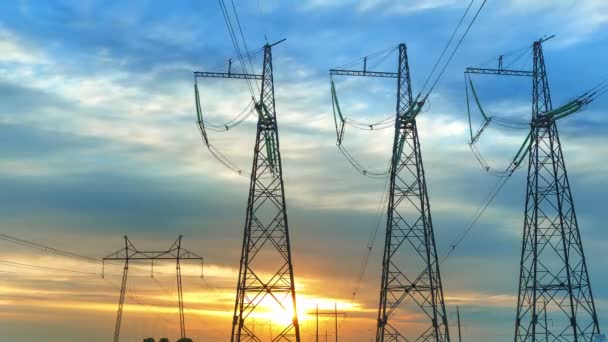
{"points": [[131, 253], [411, 281], [554, 283], [266, 273]]}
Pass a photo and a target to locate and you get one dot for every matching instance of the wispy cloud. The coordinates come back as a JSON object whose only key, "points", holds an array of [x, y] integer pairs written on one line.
{"points": [[386, 7], [573, 21], [97, 117], [16, 50]]}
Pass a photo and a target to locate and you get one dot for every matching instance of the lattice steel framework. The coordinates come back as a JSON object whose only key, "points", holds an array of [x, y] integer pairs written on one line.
{"points": [[130, 253], [554, 282], [266, 235], [555, 302], [266, 279], [409, 229], [411, 282]]}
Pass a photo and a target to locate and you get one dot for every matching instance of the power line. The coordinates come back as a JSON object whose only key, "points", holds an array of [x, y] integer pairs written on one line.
{"points": [[235, 42], [238, 21], [83, 273], [34, 245], [456, 48], [68, 254], [19, 264], [482, 209], [447, 45], [340, 130]]}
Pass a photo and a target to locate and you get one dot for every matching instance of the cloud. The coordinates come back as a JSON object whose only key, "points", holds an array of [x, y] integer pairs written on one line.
{"points": [[574, 21], [16, 50], [100, 141], [404, 7], [386, 7]]}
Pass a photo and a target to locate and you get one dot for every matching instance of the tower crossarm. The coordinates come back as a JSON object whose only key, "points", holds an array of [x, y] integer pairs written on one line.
{"points": [[381, 74], [130, 253], [208, 74], [266, 233], [409, 248], [230, 74], [554, 283], [501, 72]]}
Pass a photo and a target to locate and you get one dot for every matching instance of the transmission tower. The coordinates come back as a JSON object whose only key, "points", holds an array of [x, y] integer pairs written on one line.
{"points": [[266, 273], [554, 283], [410, 270], [130, 253]]}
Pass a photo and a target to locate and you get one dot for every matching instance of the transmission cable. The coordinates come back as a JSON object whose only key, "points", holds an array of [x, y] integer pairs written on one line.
{"points": [[340, 130], [456, 49], [447, 45], [68, 254], [238, 21], [235, 42]]}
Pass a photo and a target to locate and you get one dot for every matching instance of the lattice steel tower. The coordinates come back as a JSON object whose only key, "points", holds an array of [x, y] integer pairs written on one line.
{"points": [[411, 282], [266, 272], [266, 227], [409, 228], [553, 279], [555, 301]]}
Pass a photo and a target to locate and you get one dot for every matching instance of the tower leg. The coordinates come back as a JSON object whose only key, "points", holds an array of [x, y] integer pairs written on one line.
{"points": [[180, 300], [410, 267], [121, 301], [554, 283], [266, 277]]}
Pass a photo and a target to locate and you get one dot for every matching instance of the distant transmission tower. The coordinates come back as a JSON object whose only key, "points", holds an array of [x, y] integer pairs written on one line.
{"points": [[266, 273], [410, 270], [555, 301], [130, 253]]}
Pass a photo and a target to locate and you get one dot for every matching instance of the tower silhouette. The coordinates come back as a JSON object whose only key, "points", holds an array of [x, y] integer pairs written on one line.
{"points": [[266, 279]]}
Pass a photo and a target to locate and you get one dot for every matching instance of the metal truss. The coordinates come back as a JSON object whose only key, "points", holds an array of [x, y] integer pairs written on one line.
{"points": [[411, 282], [266, 271], [410, 267], [266, 277], [130, 253], [554, 284]]}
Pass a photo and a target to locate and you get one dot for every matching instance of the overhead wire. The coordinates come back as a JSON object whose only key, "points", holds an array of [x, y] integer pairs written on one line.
{"points": [[253, 54], [235, 121], [249, 109], [447, 45], [203, 126], [84, 275], [357, 165], [71, 255], [480, 211], [71, 271], [340, 133], [564, 111], [486, 62], [456, 49], [137, 301], [340, 129], [238, 21], [371, 242], [462, 235], [235, 42], [19, 264], [369, 57], [359, 125], [573, 106]]}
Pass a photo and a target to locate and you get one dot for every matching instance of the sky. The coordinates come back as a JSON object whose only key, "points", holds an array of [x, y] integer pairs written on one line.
{"points": [[100, 141]]}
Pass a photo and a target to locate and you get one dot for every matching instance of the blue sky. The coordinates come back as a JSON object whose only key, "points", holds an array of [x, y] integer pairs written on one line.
{"points": [[99, 140]]}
